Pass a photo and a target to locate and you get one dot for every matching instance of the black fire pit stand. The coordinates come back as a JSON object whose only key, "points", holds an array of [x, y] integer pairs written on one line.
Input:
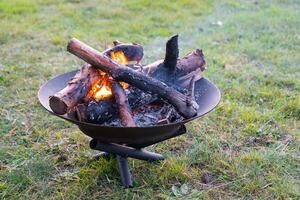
{"points": [[128, 141], [122, 152]]}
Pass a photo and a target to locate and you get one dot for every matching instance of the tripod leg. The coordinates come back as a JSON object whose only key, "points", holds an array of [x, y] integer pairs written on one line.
{"points": [[124, 171], [125, 151]]}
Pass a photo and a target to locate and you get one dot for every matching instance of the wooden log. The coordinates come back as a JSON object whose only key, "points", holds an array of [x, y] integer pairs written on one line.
{"points": [[75, 91], [172, 53], [121, 100], [166, 69], [189, 63], [139, 80], [79, 86], [191, 90]]}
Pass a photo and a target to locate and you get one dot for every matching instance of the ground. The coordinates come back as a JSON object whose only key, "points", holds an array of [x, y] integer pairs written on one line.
{"points": [[248, 148]]}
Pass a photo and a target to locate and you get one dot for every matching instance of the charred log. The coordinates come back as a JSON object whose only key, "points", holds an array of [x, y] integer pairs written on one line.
{"points": [[191, 89], [172, 53], [139, 80], [189, 63], [121, 100], [189, 66], [104, 110], [96, 111], [165, 70]]}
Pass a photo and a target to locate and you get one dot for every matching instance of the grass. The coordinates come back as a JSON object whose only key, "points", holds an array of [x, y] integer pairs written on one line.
{"points": [[248, 148]]}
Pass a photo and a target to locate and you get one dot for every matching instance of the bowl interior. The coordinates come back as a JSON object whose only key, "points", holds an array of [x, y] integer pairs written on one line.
{"points": [[207, 96]]}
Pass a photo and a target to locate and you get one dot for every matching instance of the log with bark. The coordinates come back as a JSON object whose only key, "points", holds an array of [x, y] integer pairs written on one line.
{"points": [[79, 86], [187, 108], [121, 100]]}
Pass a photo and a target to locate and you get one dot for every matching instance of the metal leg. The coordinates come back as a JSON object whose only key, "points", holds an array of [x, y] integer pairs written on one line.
{"points": [[122, 152], [126, 151], [124, 172]]}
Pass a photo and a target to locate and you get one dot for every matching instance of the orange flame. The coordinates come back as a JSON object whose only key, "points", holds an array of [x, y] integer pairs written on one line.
{"points": [[101, 89], [119, 57]]}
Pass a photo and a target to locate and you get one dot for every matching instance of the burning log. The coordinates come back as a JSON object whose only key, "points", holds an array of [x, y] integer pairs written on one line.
{"points": [[75, 91], [118, 72], [123, 105], [78, 87], [133, 52]]}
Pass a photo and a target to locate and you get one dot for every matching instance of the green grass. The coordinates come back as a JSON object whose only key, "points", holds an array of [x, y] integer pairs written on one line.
{"points": [[248, 147]]}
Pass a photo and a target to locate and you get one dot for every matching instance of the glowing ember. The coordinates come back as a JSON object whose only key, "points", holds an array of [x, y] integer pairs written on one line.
{"points": [[101, 89]]}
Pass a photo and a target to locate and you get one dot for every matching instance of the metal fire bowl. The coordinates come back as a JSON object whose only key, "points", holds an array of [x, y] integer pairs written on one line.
{"points": [[206, 93]]}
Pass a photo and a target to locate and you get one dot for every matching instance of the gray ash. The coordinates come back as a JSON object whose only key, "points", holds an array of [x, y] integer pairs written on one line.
{"points": [[150, 115]]}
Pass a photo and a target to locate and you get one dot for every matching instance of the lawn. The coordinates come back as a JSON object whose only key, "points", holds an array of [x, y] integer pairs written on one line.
{"points": [[248, 148]]}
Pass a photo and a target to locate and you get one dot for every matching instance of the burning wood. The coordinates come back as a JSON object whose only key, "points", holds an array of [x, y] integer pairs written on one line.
{"points": [[171, 79], [127, 53], [128, 75], [88, 80], [77, 88]]}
